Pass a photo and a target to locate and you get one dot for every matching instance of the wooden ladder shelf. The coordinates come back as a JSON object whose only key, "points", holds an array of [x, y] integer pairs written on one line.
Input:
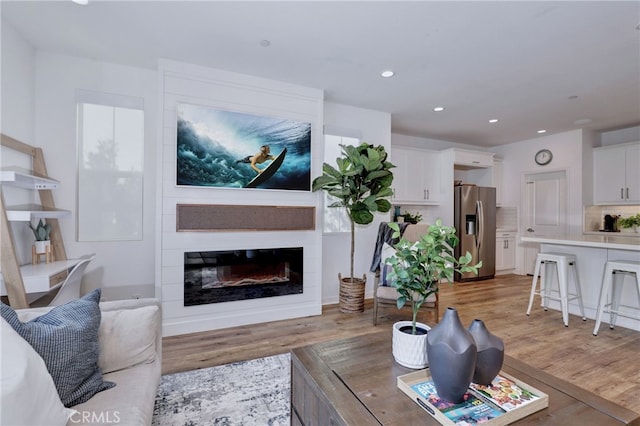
{"points": [[13, 280]]}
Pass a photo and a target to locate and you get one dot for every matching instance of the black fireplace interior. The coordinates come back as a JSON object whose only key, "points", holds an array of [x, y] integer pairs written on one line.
{"points": [[224, 276]]}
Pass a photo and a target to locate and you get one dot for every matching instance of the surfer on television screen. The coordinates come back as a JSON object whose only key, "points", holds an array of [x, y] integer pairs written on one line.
{"points": [[259, 158]]}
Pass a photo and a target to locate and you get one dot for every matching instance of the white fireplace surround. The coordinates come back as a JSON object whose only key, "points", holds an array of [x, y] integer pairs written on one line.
{"points": [[186, 83]]}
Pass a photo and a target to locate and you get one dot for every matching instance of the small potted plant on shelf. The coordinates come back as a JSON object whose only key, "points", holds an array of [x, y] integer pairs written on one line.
{"points": [[416, 270], [630, 223], [42, 232], [412, 218], [362, 184]]}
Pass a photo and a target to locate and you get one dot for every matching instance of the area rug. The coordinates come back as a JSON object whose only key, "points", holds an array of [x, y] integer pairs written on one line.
{"points": [[246, 393]]}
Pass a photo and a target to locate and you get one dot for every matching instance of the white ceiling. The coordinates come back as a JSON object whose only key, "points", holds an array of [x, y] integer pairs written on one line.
{"points": [[520, 62]]}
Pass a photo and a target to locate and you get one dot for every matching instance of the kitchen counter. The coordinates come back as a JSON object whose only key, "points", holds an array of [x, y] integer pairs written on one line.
{"points": [[592, 253], [596, 241]]}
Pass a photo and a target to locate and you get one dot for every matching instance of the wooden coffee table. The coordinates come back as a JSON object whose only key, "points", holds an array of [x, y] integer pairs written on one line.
{"points": [[353, 382]]}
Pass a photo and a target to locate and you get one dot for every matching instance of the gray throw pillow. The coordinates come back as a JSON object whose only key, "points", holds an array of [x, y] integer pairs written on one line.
{"points": [[66, 338]]}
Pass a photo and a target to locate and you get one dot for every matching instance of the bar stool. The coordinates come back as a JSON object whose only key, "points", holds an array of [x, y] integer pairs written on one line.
{"points": [[612, 281], [563, 263]]}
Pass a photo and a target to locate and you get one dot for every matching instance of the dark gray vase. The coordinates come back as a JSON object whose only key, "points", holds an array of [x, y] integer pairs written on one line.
{"points": [[490, 353], [451, 352]]}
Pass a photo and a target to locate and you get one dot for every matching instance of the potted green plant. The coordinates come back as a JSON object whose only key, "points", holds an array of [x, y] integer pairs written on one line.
{"points": [[361, 183], [42, 232], [412, 218], [631, 223], [416, 270]]}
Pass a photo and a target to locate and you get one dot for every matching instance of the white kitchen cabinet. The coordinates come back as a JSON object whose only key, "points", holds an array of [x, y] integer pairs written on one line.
{"points": [[472, 159], [616, 174], [416, 178], [505, 251]]}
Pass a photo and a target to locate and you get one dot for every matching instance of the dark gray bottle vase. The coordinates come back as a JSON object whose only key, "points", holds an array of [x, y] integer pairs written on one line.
{"points": [[490, 353], [451, 351]]}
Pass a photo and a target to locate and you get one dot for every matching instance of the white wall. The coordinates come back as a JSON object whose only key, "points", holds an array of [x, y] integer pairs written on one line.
{"points": [[373, 127], [17, 117], [186, 83], [18, 91], [124, 269], [519, 161]]}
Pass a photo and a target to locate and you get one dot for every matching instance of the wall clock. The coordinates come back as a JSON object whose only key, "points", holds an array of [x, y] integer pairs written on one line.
{"points": [[543, 157]]}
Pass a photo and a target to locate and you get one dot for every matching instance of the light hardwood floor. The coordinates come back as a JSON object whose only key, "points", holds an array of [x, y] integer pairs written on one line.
{"points": [[607, 364]]}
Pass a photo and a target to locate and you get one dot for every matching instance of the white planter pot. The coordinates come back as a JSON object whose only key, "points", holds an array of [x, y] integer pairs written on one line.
{"points": [[41, 246], [633, 230], [410, 350]]}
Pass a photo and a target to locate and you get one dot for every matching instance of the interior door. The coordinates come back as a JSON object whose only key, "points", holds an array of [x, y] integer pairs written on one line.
{"points": [[545, 210]]}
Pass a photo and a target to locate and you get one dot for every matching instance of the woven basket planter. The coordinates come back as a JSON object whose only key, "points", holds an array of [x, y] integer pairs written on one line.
{"points": [[352, 294]]}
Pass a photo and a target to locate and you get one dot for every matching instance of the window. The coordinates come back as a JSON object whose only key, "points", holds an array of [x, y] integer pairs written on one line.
{"points": [[335, 218], [110, 166]]}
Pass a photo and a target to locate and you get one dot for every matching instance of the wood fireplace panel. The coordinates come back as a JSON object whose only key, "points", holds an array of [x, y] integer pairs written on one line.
{"points": [[222, 217]]}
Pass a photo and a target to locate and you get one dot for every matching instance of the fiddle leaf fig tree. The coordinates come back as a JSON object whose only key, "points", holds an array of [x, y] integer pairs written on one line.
{"points": [[418, 267], [361, 183]]}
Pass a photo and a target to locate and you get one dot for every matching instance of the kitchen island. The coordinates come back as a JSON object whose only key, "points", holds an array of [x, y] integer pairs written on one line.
{"points": [[592, 252]]}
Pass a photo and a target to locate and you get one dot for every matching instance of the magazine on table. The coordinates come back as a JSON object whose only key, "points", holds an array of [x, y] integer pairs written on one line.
{"points": [[500, 403], [505, 393]]}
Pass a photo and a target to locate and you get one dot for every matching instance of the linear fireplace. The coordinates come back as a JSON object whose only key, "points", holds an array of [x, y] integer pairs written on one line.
{"points": [[224, 276]]}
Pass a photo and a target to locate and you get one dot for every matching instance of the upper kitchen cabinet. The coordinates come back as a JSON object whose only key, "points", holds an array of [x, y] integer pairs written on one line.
{"points": [[416, 178], [616, 175], [477, 168], [467, 159]]}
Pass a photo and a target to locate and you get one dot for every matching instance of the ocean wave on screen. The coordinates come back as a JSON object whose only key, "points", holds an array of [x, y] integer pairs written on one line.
{"points": [[203, 161]]}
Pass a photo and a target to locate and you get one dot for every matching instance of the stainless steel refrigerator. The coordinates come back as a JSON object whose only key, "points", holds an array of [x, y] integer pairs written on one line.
{"points": [[474, 217]]}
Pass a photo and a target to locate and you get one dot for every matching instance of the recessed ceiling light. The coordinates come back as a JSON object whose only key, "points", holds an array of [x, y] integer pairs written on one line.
{"points": [[493, 120], [81, 2], [542, 131], [438, 109], [265, 43], [387, 73]]}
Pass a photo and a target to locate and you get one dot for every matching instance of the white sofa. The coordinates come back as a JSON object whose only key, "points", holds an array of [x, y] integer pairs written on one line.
{"points": [[130, 340]]}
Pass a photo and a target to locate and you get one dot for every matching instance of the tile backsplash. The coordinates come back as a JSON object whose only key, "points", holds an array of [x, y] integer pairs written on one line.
{"points": [[507, 218], [594, 215]]}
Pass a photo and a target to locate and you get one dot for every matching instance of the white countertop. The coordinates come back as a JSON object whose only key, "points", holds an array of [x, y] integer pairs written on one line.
{"points": [[597, 241]]}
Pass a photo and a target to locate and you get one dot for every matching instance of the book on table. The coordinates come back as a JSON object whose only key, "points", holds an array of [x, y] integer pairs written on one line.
{"points": [[504, 401]]}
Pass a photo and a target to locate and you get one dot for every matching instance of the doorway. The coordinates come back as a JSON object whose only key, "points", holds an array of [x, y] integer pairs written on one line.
{"points": [[545, 210]]}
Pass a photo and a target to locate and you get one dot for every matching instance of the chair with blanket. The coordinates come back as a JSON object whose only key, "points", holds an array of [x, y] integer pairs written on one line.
{"points": [[383, 294]]}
